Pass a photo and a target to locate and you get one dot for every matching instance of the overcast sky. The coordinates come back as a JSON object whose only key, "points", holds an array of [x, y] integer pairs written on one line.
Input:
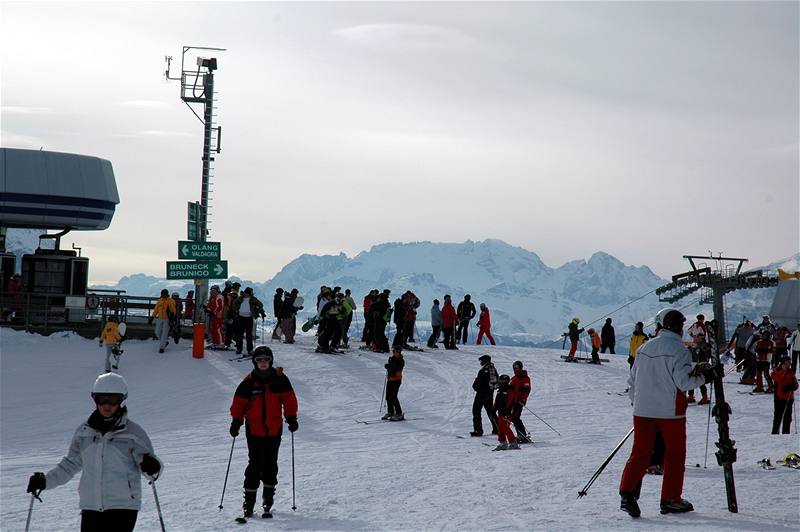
{"points": [[646, 130]]}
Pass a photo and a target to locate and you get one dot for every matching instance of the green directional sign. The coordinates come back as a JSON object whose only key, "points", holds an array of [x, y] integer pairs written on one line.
{"points": [[201, 269], [199, 250]]}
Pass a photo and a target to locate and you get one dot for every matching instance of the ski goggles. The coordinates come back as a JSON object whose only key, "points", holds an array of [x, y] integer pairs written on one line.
{"points": [[263, 358], [113, 399]]}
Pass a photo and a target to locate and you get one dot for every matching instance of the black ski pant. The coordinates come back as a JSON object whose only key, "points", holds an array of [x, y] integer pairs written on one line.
{"points": [[366, 335], [244, 329], [783, 413], [229, 331], [609, 345], [116, 520], [750, 365], [449, 338], [327, 328], [595, 356], [516, 418], [463, 331], [381, 342], [483, 400], [346, 330], [434, 337], [410, 324], [262, 462], [399, 335], [392, 388]]}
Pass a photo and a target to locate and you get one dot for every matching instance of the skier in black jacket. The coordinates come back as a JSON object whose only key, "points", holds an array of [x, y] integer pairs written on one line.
{"points": [[466, 311], [379, 311], [277, 303], [607, 337], [399, 322], [484, 386], [394, 377]]}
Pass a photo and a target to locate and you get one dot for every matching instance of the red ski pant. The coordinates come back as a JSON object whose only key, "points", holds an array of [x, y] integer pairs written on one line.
{"points": [[488, 334], [573, 348], [216, 331], [504, 432], [644, 435]]}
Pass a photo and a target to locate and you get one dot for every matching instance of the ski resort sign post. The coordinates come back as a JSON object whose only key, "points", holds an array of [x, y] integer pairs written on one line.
{"points": [[201, 269], [199, 250]]}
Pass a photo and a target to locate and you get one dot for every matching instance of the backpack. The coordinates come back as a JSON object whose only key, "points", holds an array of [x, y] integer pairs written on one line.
{"points": [[493, 380]]}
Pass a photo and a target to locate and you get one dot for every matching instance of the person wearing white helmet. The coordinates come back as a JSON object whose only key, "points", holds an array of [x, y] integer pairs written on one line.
{"points": [[111, 452], [661, 374]]}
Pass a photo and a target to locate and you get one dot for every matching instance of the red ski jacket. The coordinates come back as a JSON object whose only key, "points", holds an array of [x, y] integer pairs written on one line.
{"points": [[260, 401], [484, 322], [785, 383], [764, 349], [519, 388], [449, 316]]}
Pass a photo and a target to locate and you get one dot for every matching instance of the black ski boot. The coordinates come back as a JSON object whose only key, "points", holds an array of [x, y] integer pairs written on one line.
{"points": [[475, 434], [249, 502], [676, 507], [267, 498], [628, 504]]}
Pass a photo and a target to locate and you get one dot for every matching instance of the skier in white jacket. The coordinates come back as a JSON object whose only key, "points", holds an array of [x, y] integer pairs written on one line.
{"points": [[661, 374], [112, 452]]}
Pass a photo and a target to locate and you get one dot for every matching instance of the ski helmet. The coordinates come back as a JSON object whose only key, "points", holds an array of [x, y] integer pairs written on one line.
{"points": [[591, 330], [576, 320], [670, 318], [261, 351], [164, 293], [503, 379], [110, 383], [517, 365]]}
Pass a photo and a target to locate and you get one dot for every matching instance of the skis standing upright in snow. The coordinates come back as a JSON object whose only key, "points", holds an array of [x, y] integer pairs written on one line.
{"points": [[726, 452]]}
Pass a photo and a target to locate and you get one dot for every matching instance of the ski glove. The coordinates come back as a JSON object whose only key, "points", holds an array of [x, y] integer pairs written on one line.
{"points": [[36, 483], [292, 422], [713, 373], [150, 465], [235, 425]]}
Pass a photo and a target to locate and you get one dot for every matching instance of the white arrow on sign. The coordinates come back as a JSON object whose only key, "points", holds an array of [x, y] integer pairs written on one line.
{"points": [[185, 249], [218, 269]]}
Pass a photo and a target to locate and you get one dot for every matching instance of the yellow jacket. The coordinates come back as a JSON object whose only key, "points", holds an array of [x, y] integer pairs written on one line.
{"points": [[637, 341], [164, 308], [110, 334]]}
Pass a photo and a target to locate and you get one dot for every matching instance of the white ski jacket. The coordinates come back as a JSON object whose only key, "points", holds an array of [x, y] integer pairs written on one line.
{"points": [[660, 376], [110, 463], [794, 341]]}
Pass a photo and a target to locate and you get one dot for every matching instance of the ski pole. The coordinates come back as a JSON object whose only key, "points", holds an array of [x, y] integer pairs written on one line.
{"points": [[226, 474], [158, 506], [603, 466], [708, 428], [294, 506], [30, 511], [380, 409], [542, 420]]}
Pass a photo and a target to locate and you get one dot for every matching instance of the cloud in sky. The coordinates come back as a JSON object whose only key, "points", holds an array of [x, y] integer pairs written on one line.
{"points": [[645, 129]]}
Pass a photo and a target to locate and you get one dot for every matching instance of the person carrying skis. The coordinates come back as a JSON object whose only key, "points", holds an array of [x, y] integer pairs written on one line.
{"points": [[162, 314], [785, 386], [111, 452], [638, 338], [466, 311], [484, 386], [261, 399], [661, 374], [596, 343], [608, 338], [518, 391], [394, 378], [485, 325], [111, 338], [573, 333], [215, 307], [449, 319], [502, 411], [436, 325]]}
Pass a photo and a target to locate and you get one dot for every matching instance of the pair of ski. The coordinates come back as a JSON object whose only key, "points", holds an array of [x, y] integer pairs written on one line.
{"points": [[330, 352], [242, 519], [376, 421]]}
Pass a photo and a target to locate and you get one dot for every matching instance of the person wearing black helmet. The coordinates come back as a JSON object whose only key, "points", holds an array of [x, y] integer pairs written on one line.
{"points": [[262, 399], [608, 338], [484, 386], [662, 372]]}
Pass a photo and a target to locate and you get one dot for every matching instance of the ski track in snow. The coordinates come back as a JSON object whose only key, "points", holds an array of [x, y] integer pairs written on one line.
{"points": [[415, 475]]}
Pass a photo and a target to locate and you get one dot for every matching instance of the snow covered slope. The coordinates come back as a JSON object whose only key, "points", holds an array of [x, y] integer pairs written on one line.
{"points": [[414, 475]]}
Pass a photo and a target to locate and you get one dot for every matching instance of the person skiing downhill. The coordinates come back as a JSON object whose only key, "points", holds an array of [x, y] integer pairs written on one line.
{"points": [[264, 395], [394, 378], [661, 373], [484, 386], [111, 452], [518, 391], [503, 412]]}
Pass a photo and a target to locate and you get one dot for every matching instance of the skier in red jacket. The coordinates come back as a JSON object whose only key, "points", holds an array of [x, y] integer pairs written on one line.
{"points": [[785, 385], [484, 326], [263, 396], [518, 391], [449, 319]]}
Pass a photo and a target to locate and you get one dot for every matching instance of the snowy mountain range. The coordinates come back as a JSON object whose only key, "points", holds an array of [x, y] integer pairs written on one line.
{"points": [[530, 302]]}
